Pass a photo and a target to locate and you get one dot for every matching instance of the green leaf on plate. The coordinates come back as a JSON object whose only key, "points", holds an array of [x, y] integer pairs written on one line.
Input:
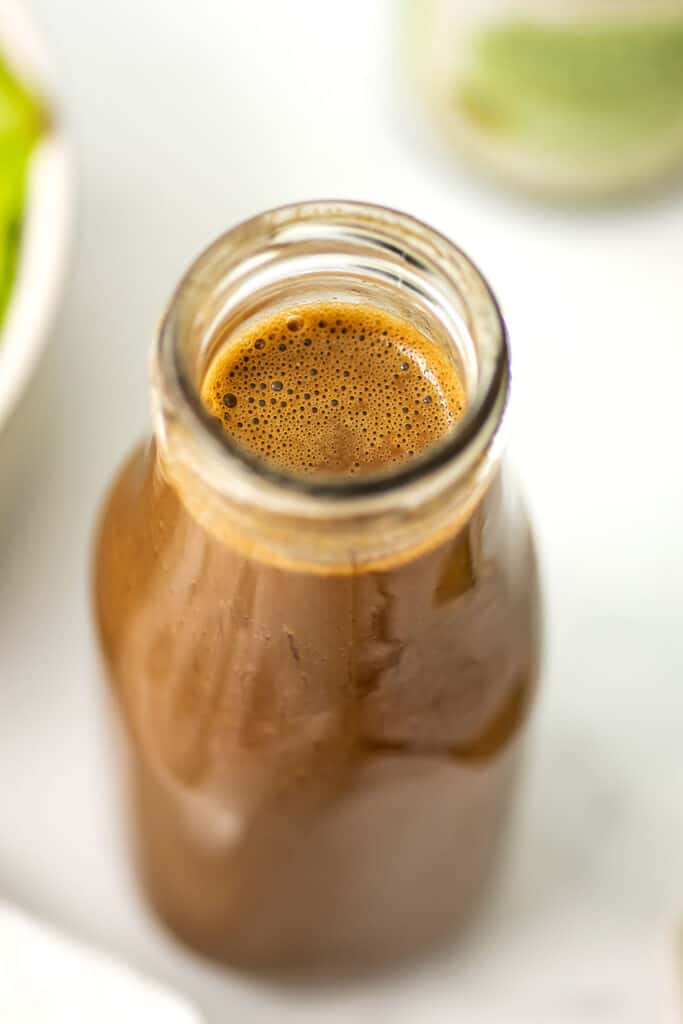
{"points": [[21, 123]]}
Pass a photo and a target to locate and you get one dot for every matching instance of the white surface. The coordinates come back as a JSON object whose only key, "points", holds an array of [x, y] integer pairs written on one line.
{"points": [[183, 129], [47, 978]]}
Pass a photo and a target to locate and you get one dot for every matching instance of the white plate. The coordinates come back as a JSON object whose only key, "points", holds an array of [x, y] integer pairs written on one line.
{"points": [[44, 245], [47, 977]]}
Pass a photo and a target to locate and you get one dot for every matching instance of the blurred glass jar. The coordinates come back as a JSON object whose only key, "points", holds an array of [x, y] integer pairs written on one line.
{"points": [[573, 98]]}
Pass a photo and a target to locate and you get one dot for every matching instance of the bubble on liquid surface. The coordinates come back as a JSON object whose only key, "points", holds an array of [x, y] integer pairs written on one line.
{"points": [[364, 390]]}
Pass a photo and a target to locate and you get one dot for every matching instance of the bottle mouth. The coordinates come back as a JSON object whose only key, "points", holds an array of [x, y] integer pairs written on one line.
{"points": [[348, 252]]}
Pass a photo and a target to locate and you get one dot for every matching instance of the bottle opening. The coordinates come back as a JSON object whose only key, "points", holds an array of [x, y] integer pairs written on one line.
{"points": [[433, 342]]}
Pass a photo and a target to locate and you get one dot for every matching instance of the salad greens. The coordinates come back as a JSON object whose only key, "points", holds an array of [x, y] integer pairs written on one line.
{"points": [[21, 122]]}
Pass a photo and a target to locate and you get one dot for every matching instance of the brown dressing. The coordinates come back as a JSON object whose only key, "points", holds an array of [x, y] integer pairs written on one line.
{"points": [[322, 763]]}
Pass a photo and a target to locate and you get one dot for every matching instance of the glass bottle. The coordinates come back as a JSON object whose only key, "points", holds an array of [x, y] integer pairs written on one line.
{"points": [[324, 680], [573, 98]]}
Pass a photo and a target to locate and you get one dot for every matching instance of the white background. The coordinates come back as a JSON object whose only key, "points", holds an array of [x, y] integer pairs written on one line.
{"points": [[188, 117]]}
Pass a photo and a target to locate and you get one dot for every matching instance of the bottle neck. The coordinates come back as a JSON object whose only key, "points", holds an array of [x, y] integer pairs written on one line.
{"points": [[330, 252]]}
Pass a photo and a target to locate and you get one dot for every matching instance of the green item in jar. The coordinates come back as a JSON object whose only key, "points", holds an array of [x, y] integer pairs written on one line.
{"points": [[591, 87], [21, 123]]}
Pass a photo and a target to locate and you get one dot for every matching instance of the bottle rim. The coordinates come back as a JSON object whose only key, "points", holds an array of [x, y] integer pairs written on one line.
{"points": [[418, 258]]}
